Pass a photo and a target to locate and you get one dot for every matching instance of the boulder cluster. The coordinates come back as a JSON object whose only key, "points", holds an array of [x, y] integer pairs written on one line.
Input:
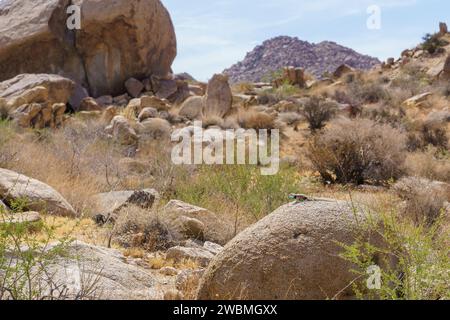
{"points": [[274, 54]]}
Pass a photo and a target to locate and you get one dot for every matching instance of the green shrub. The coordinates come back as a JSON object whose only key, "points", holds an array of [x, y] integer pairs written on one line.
{"points": [[239, 188], [413, 261], [28, 253], [432, 43]]}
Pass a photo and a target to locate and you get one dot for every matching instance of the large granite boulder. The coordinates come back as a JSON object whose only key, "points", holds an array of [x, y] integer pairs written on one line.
{"points": [[117, 40], [291, 254]]}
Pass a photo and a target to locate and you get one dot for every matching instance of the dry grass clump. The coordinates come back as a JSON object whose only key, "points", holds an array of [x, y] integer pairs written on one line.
{"points": [[385, 114], [291, 119], [424, 134], [429, 165], [425, 200], [243, 87], [369, 92], [410, 82], [139, 228], [358, 151], [256, 120]]}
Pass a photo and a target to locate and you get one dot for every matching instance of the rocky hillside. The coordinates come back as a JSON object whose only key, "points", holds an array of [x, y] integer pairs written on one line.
{"points": [[283, 51]]}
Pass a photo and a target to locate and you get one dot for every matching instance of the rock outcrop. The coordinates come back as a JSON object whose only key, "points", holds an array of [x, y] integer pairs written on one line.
{"points": [[281, 52], [105, 271], [174, 215], [218, 98], [110, 203], [118, 40], [37, 195], [291, 254]]}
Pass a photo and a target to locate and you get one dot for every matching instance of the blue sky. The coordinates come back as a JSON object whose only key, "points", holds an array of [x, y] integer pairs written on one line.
{"points": [[214, 34]]}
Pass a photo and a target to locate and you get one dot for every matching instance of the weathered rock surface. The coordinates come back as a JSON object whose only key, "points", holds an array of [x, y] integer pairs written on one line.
{"points": [[188, 279], [118, 40], [107, 271], [154, 129], [122, 131], [199, 255], [39, 196], [134, 87], [147, 113], [89, 104], [290, 254], [192, 108], [114, 201], [218, 98], [36, 88], [215, 230]]}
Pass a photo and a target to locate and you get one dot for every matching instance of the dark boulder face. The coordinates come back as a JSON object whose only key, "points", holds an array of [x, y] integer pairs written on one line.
{"points": [[117, 40]]}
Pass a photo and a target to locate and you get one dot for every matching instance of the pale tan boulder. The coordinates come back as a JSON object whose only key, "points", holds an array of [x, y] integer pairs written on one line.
{"points": [[147, 113], [36, 88], [38, 196], [122, 131], [89, 104], [198, 255], [293, 253], [155, 102], [154, 129], [192, 108], [215, 229]]}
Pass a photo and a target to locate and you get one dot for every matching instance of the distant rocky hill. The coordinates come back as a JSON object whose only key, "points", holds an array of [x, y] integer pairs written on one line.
{"points": [[283, 51]]}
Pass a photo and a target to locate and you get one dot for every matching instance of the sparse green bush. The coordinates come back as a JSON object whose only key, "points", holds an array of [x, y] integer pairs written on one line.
{"points": [[432, 43], [24, 260], [238, 188], [413, 261]]}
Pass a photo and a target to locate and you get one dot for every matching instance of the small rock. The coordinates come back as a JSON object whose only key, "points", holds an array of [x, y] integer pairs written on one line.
{"points": [[147, 113], [218, 98], [418, 100], [168, 271], [122, 131], [114, 201], [191, 227], [89, 104], [192, 108], [134, 87], [105, 101], [154, 102], [199, 255], [214, 248]]}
